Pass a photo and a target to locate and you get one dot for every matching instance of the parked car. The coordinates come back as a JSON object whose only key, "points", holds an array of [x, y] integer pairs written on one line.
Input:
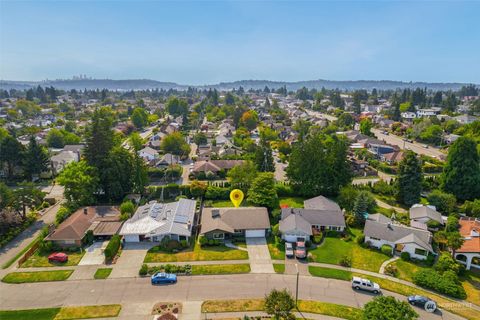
{"points": [[162, 277], [58, 257], [289, 250], [425, 146], [428, 304], [300, 250], [365, 284]]}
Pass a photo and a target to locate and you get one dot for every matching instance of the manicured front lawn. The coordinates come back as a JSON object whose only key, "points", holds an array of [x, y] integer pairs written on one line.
{"points": [[39, 276], [331, 309], [37, 314], [279, 267], [407, 269], [291, 202], [41, 260], [64, 313], [222, 203], [102, 273], [220, 269], [197, 253], [330, 273], [88, 312], [277, 250], [334, 249]]}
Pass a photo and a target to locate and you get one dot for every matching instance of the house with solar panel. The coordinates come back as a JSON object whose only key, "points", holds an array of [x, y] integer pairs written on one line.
{"points": [[155, 220]]}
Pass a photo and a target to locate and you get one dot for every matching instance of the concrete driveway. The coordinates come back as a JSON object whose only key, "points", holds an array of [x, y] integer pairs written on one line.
{"points": [[94, 254], [131, 259], [260, 261]]}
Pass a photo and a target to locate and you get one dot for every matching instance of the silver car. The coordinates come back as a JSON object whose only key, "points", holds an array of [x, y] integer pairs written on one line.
{"points": [[365, 284], [289, 250]]}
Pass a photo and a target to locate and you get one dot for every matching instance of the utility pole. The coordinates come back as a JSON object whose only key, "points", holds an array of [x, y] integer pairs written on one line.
{"points": [[296, 289]]}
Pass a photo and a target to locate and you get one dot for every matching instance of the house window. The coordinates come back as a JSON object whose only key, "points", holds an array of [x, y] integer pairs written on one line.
{"points": [[218, 236], [334, 228], [421, 252], [376, 239], [237, 231]]}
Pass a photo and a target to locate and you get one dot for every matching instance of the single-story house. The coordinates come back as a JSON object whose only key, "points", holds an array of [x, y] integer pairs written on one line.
{"points": [[425, 214], [392, 157], [319, 214], [469, 253], [155, 220], [168, 159], [148, 154], [214, 165], [103, 221], [60, 160], [380, 230], [225, 223]]}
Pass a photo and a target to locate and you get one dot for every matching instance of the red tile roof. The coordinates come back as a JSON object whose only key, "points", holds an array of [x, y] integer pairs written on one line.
{"points": [[467, 225]]}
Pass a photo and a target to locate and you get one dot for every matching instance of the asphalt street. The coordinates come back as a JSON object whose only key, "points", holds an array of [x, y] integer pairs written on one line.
{"points": [[132, 291]]}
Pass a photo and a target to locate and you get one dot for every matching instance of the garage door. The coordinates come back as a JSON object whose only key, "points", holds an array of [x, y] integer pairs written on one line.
{"points": [[132, 238], [290, 238], [255, 233]]}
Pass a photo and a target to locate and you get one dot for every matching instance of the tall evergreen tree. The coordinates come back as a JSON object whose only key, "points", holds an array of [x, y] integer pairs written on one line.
{"points": [[461, 173], [264, 157], [10, 154], [99, 137], [35, 159], [409, 182]]}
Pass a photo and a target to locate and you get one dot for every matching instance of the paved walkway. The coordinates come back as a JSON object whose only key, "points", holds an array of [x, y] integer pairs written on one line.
{"points": [[233, 246], [94, 254], [386, 263], [259, 256], [387, 206], [191, 310], [209, 262], [28, 235]]}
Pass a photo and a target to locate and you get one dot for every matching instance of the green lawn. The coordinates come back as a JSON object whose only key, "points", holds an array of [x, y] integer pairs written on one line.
{"points": [[41, 260], [407, 269], [334, 249], [37, 314], [102, 273], [39, 276], [220, 269], [330, 273], [277, 251], [197, 253], [223, 203], [292, 202], [279, 267], [330, 309]]}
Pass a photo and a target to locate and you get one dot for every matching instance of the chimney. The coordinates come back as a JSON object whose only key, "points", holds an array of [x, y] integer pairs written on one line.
{"points": [[85, 210]]}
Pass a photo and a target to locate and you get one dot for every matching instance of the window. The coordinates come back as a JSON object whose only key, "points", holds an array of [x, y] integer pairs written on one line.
{"points": [[218, 236], [420, 252], [376, 239]]}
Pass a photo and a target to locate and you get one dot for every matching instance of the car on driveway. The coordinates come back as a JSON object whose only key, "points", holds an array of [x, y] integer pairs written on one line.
{"points": [[58, 257], [365, 284], [162, 277], [428, 304], [289, 250], [300, 250]]}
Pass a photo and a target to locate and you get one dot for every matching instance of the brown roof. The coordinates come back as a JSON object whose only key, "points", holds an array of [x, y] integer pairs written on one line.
{"points": [[230, 219], [215, 165], [106, 228], [472, 243], [394, 156], [75, 226]]}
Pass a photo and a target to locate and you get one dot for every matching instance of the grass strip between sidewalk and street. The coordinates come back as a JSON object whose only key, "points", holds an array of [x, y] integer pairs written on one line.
{"points": [[244, 305], [459, 308], [220, 269], [63, 313], [102, 273], [37, 276]]}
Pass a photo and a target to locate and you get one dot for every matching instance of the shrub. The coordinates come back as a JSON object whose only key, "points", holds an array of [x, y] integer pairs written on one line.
{"points": [[143, 270], [391, 270], [202, 240], [62, 214], [284, 190], [211, 242], [444, 202], [446, 283], [386, 249], [360, 239], [184, 243], [346, 261], [275, 230], [112, 247], [127, 208], [318, 238], [197, 188], [446, 262], [405, 256], [217, 193], [332, 234]]}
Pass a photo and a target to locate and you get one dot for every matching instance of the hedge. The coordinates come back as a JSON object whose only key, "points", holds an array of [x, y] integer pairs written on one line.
{"points": [[386, 249], [217, 193], [446, 282], [112, 247]]}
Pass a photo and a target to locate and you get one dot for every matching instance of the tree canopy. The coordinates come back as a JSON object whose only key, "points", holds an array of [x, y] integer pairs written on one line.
{"points": [[409, 181]]}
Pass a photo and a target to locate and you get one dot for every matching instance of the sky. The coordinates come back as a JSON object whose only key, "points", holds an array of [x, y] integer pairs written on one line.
{"points": [[206, 42]]}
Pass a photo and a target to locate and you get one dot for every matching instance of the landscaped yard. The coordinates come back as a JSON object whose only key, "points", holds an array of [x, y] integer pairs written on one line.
{"points": [[277, 250], [222, 203], [333, 249], [197, 253], [291, 202], [330, 273], [41, 260], [331, 309], [39, 276], [64, 313], [102, 273], [220, 269], [279, 267]]}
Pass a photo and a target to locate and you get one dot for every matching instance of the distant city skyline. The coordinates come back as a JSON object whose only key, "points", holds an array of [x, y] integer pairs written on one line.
{"points": [[207, 42]]}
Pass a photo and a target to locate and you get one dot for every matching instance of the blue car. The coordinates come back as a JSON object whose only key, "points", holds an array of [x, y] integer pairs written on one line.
{"points": [[162, 277]]}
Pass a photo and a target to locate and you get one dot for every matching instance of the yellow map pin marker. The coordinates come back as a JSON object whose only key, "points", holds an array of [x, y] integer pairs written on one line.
{"points": [[236, 196]]}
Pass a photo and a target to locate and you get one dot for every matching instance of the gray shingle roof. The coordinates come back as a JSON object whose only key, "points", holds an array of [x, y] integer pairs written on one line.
{"points": [[425, 212], [317, 217], [321, 203], [230, 219]]}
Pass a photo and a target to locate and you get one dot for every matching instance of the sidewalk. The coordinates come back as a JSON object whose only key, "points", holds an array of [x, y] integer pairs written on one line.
{"points": [[239, 315]]}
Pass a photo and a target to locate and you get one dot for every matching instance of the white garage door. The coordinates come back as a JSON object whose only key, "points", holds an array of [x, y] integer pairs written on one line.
{"points": [[132, 238], [254, 233]]}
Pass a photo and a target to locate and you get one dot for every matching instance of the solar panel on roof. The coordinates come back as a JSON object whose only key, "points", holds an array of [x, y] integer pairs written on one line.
{"points": [[181, 219]]}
